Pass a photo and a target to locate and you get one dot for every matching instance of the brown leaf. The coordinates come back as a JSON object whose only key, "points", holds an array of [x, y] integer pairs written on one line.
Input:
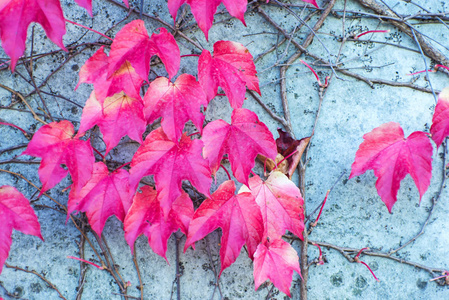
{"points": [[294, 160]]}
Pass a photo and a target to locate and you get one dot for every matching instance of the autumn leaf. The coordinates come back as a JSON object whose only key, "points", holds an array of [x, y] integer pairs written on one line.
{"points": [[242, 140], [170, 163], [276, 260], [95, 71], [104, 195], [392, 157], [55, 144], [87, 4], [116, 117], [440, 119], [280, 202], [237, 215], [133, 44], [232, 68], [204, 10], [17, 15], [146, 217], [15, 213], [176, 103]]}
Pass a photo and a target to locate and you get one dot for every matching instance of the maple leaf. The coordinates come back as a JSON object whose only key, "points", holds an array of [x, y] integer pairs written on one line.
{"points": [[95, 71], [242, 140], [176, 103], [17, 15], [15, 213], [146, 217], [133, 44], [280, 202], [391, 156], [276, 260], [104, 195], [87, 4], [440, 119], [232, 68], [204, 10], [116, 117], [239, 218], [55, 144], [170, 163]]}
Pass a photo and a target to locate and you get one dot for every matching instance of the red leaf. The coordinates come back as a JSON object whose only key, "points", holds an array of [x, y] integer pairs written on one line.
{"points": [[281, 204], [391, 156], [87, 4], [15, 213], [313, 2], [95, 71], [239, 218], [104, 195], [54, 144], [16, 16], [242, 140], [146, 217], [204, 10], [117, 116], [176, 103], [276, 260], [440, 119], [173, 6], [170, 163], [133, 44], [232, 68]]}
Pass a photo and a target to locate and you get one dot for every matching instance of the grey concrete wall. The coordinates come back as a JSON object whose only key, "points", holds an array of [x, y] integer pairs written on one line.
{"points": [[354, 215]]}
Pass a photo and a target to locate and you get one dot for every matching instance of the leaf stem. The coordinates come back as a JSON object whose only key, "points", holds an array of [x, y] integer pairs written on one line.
{"points": [[188, 55], [93, 30], [321, 210], [26, 134], [99, 153], [229, 176], [366, 265], [369, 31], [125, 164], [313, 71], [277, 165], [87, 262]]}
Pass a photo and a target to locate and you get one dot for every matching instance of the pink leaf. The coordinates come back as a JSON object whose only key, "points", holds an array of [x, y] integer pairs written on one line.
{"points": [[87, 4], [280, 202], [16, 16], [173, 6], [239, 218], [176, 103], [204, 10], [170, 163], [276, 261], [146, 217], [15, 213], [104, 195], [125, 79], [117, 116], [133, 44], [242, 140], [232, 68], [440, 119], [391, 156], [54, 144]]}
